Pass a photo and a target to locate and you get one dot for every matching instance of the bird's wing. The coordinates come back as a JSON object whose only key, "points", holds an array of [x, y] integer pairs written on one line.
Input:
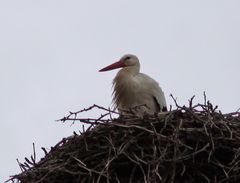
{"points": [[152, 87]]}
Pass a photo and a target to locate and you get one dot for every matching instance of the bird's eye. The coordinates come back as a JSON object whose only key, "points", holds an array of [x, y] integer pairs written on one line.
{"points": [[127, 58]]}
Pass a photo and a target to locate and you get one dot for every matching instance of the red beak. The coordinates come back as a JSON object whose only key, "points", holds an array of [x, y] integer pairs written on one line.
{"points": [[115, 65]]}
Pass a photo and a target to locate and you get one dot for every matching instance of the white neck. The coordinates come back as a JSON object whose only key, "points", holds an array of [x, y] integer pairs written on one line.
{"points": [[130, 70]]}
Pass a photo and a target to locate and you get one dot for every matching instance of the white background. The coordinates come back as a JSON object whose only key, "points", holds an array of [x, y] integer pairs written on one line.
{"points": [[51, 51]]}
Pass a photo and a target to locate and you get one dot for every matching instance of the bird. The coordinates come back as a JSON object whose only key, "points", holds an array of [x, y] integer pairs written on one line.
{"points": [[133, 91]]}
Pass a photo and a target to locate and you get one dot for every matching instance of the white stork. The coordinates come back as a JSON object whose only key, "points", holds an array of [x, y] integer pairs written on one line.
{"points": [[135, 91]]}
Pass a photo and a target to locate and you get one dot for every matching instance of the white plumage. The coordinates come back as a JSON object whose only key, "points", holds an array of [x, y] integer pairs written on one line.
{"points": [[135, 91]]}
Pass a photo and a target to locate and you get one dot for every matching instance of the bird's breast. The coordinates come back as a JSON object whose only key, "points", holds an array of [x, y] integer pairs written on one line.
{"points": [[130, 94]]}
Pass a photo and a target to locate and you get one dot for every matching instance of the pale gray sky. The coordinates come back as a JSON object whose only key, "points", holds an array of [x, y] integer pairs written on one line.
{"points": [[51, 50]]}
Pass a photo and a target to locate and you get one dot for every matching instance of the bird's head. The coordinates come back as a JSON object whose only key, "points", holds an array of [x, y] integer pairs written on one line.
{"points": [[127, 60]]}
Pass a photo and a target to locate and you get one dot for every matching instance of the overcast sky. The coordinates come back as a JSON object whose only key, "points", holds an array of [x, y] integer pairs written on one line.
{"points": [[51, 51]]}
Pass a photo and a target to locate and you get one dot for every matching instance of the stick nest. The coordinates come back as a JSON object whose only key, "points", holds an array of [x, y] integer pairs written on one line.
{"points": [[194, 144]]}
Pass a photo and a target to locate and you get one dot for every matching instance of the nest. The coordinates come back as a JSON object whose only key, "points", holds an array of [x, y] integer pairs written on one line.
{"points": [[194, 144]]}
